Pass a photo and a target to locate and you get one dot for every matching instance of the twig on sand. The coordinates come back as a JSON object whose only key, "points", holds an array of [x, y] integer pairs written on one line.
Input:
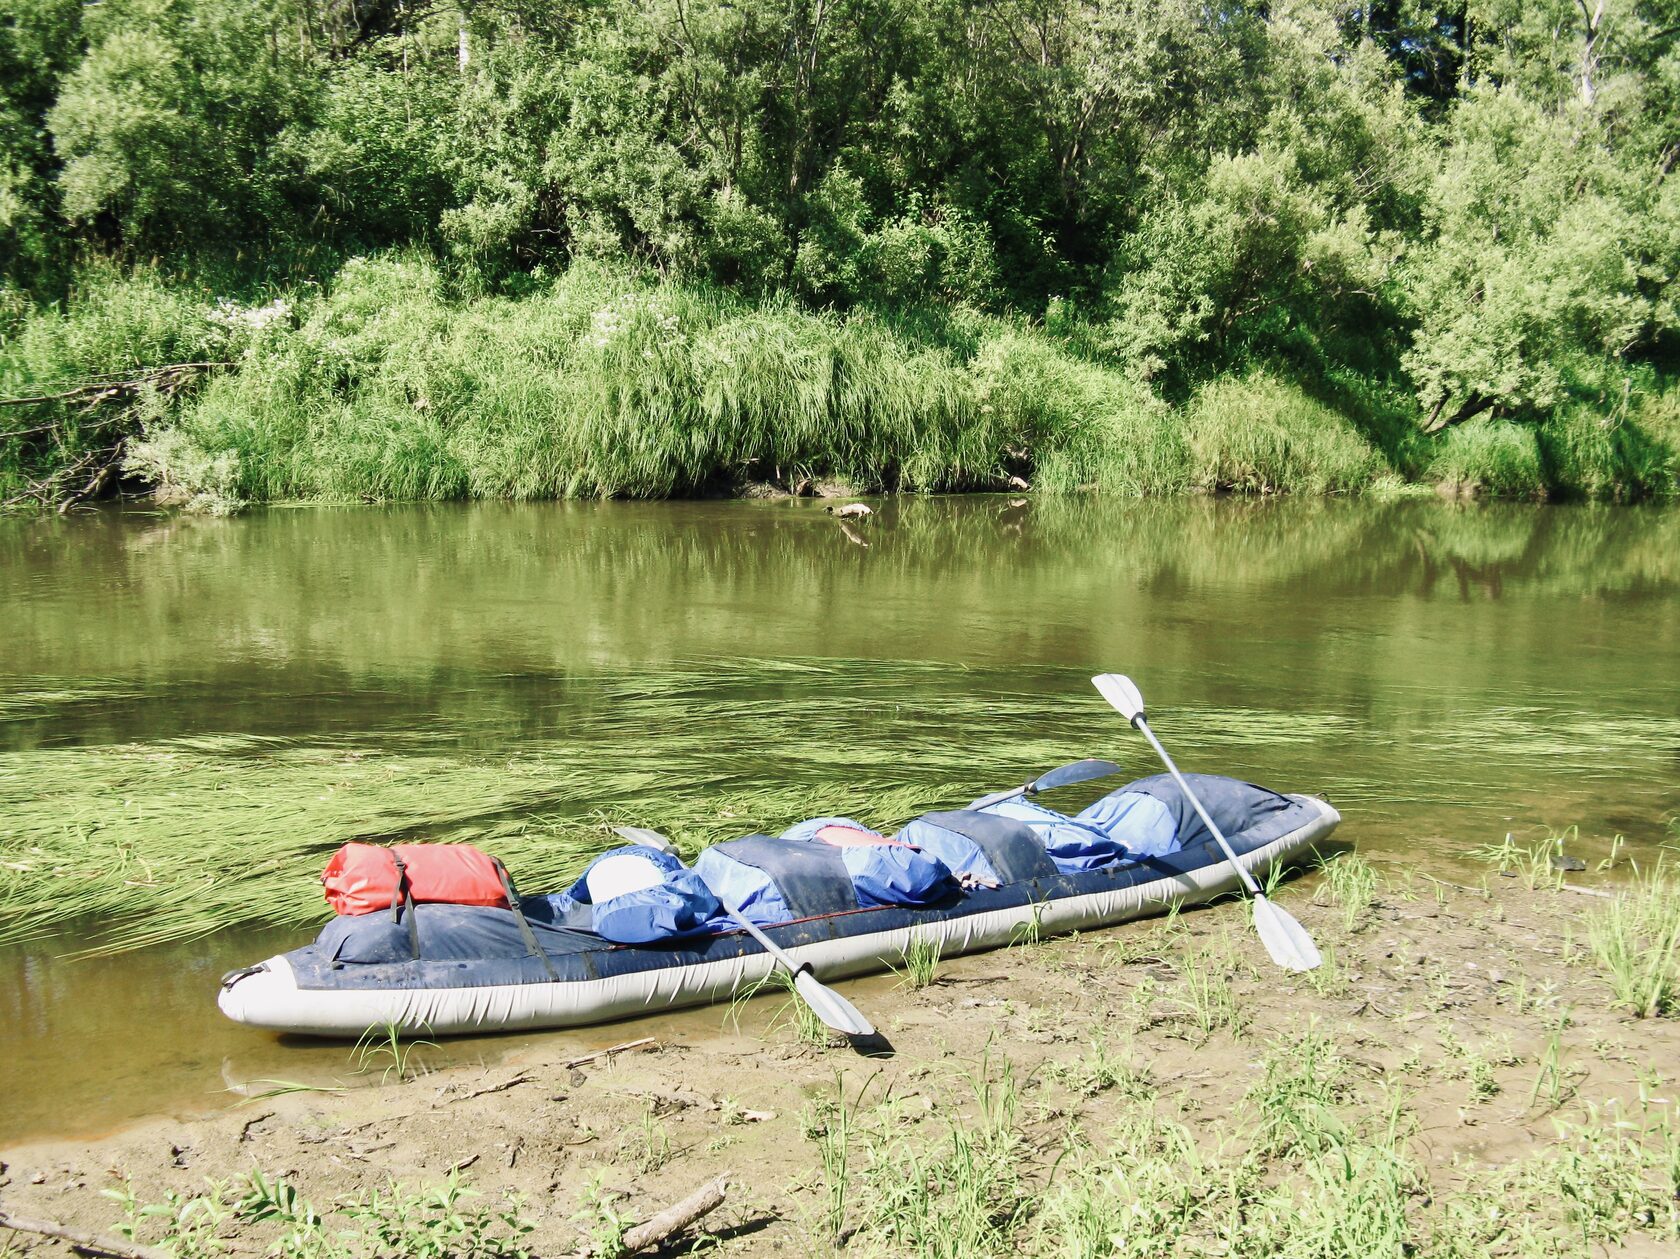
{"points": [[1588, 891], [524, 1077], [684, 1100], [86, 1243], [609, 1051], [676, 1217]]}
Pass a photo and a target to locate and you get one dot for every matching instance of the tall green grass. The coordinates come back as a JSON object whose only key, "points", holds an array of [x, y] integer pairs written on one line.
{"points": [[112, 324], [1615, 456], [385, 384], [601, 385], [1636, 940], [1486, 456], [1260, 435]]}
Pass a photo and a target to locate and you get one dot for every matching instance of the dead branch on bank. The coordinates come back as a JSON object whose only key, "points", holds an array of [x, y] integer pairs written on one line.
{"points": [[106, 405], [86, 1243], [673, 1219]]}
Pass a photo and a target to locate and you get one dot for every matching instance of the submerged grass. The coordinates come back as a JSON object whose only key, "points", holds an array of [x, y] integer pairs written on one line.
{"points": [[120, 846], [139, 844]]}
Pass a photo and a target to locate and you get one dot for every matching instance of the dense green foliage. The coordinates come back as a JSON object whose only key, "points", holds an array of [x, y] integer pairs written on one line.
{"points": [[646, 246]]}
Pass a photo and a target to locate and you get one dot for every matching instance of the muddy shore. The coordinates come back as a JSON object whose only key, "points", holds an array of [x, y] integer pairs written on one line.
{"points": [[1461, 1039]]}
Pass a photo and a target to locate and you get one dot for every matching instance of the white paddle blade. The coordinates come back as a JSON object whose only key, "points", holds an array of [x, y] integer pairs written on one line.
{"points": [[647, 838], [831, 1007], [1120, 691], [1285, 939]]}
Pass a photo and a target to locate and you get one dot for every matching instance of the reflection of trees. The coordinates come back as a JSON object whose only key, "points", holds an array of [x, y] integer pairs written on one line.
{"points": [[320, 619]]}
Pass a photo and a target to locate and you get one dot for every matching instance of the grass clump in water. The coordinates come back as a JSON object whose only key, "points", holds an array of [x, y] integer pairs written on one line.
{"points": [[1531, 862]]}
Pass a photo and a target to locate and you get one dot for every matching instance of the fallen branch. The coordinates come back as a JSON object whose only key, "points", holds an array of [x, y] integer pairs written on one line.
{"points": [[609, 1051], [92, 489], [673, 1219], [87, 1243], [113, 385], [1587, 891]]}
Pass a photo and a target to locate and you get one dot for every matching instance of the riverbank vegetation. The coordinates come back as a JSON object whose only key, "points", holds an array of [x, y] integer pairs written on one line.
{"points": [[648, 248]]}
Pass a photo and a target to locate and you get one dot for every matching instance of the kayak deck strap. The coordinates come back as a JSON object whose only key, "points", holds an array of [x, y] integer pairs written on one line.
{"points": [[1015, 852]]}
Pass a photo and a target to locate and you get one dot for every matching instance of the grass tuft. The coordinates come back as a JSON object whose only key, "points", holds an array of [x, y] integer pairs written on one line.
{"points": [[919, 963], [1636, 939]]}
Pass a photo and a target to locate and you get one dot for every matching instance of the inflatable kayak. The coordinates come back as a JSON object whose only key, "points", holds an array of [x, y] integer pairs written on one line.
{"points": [[449, 969]]}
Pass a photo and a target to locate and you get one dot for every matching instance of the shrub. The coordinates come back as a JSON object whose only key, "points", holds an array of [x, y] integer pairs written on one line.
{"points": [[1259, 435], [1488, 456]]}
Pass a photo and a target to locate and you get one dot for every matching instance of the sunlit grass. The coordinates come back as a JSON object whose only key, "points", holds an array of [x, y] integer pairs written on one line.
{"points": [[1636, 940], [1321, 1158], [919, 963], [1350, 882]]}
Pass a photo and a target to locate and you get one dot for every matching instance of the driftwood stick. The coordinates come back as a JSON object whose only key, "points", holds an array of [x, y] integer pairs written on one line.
{"points": [[87, 1243], [144, 376], [610, 1050], [675, 1218], [524, 1077], [92, 488], [1587, 891]]}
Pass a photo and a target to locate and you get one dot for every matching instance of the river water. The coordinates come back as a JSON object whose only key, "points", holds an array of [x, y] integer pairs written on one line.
{"points": [[1444, 673]]}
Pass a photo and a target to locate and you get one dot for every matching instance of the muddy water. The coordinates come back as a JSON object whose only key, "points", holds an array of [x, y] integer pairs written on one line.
{"points": [[1445, 674]]}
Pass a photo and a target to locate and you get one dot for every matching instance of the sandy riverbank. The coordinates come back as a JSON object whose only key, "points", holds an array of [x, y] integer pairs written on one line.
{"points": [[1455, 1079]]}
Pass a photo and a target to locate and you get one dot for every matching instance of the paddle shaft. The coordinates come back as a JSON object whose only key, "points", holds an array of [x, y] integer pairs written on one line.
{"points": [[1224, 844], [770, 946]]}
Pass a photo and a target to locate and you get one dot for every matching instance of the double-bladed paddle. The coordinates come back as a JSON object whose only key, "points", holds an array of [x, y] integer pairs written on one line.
{"points": [[1061, 776], [1285, 939], [829, 1006]]}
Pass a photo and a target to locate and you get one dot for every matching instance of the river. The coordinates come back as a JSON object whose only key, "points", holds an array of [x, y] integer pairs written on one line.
{"points": [[1444, 673]]}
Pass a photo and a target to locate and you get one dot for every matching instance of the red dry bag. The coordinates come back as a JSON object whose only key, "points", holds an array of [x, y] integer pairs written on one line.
{"points": [[364, 878]]}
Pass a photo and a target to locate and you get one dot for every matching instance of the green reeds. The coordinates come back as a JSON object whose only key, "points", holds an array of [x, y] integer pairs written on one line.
{"points": [[1531, 862], [384, 1046], [1636, 939], [919, 963], [606, 383], [1486, 456], [1258, 435], [1350, 882]]}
